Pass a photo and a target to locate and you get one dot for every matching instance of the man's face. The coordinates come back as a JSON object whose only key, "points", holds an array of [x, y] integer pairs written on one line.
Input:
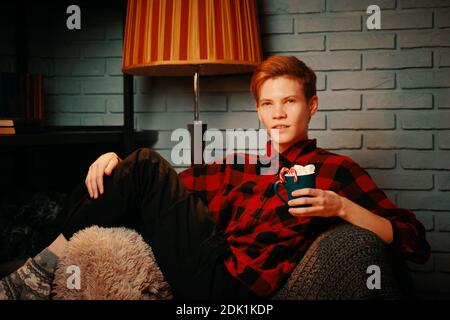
{"points": [[282, 108]]}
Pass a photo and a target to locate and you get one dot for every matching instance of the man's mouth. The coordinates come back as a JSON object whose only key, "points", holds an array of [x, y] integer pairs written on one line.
{"points": [[280, 126]]}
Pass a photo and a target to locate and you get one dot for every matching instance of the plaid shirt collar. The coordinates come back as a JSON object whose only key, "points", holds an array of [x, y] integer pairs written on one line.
{"points": [[289, 157]]}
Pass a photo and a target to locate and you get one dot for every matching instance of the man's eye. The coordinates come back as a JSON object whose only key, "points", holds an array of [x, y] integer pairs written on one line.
{"points": [[291, 101], [265, 104]]}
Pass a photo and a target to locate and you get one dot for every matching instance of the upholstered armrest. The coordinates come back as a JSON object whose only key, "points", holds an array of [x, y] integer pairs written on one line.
{"points": [[336, 267]]}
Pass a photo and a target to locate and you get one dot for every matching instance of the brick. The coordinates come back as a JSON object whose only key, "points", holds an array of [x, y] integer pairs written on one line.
{"points": [[332, 61], [442, 18], [321, 81], [442, 221], [103, 120], [62, 86], [339, 101], [114, 67], [225, 120], [439, 241], [114, 104], [443, 181], [318, 122], [56, 50], [207, 102], [358, 5], [277, 24], [424, 79], [394, 100], [231, 120], [231, 83], [63, 119], [337, 140], [435, 120], [442, 57], [442, 262], [103, 49], [103, 86], [292, 6], [357, 120], [88, 32], [426, 218], [174, 85], [421, 39], [287, 43], [425, 160], [407, 4], [416, 200], [114, 31], [443, 140], [398, 60], [362, 80], [399, 140], [76, 104], [442, 99], [91, 67], [406, 20], [359, 41], [369, 159], [323, 23], [149, 103], [241, 102], [387, 179]]}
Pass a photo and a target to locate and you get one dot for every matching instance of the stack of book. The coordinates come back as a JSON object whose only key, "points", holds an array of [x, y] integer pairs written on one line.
{"points": [[18, 125]]}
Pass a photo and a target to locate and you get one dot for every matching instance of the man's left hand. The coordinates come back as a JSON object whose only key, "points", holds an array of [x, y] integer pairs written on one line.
{"points": [[324, 203]]}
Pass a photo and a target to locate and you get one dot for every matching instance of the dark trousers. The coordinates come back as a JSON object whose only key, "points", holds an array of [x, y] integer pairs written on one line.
{"points": [[144, 193]]}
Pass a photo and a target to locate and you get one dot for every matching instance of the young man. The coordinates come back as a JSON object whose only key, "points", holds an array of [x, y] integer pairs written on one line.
{"points": [[217, 230]]}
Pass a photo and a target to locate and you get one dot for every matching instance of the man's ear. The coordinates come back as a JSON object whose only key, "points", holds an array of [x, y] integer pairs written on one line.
{"points": [[313, 105]]}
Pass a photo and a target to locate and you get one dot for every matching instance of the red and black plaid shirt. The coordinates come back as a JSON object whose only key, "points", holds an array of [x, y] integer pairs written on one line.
{"points": [[266, 241]]}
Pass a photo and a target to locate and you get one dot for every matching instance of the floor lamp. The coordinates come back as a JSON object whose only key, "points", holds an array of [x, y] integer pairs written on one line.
{"points": [[191, 38]]}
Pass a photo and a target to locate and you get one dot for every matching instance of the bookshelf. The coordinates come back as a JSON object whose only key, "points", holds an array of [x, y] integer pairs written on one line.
{"points": [[124, 136]]}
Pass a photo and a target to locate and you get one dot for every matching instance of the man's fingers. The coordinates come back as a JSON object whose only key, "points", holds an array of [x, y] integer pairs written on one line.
{"points": [[303, 200], [111, 165], [305, 212], [87, 182], [305, 192], [99, 180], [93, 181]]}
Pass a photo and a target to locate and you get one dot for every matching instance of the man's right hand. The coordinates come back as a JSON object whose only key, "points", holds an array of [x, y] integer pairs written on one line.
{"points": [[105, 164]]}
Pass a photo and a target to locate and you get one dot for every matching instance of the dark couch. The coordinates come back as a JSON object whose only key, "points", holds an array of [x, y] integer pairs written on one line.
{"points": [[334, 267]]}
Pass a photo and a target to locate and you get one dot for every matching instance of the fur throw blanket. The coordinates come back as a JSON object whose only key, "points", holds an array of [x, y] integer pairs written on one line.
{"points": [[114, 264]]}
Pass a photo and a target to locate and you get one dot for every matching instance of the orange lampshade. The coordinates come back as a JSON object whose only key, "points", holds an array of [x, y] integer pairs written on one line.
{"points": [[180, 37]]}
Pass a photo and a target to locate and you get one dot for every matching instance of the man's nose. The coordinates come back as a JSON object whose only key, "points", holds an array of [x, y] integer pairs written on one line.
{"points": [[278, 111]]}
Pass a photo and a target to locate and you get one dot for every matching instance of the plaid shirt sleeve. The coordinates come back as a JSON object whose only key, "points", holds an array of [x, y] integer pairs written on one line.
{"points": [[409, 233]]}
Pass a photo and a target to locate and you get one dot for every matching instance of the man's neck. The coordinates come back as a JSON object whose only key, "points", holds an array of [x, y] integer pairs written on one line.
{"points": [[282, 148]]}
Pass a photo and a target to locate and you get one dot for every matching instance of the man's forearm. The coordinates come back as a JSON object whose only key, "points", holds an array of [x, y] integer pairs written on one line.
{"points": [[361, 217]]}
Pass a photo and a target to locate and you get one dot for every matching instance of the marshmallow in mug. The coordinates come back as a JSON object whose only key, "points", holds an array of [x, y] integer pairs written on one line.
{"points": [[303, 170]]}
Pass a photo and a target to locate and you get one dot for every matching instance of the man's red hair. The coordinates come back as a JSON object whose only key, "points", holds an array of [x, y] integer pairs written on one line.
{"points": [[277, 66]]}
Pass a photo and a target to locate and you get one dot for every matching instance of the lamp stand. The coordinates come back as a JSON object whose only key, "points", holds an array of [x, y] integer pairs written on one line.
{"points": [[198, 128]]}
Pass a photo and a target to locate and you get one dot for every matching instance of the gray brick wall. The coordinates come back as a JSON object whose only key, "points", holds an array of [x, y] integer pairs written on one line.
{"points": [[385, 101], [384, 95]]}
